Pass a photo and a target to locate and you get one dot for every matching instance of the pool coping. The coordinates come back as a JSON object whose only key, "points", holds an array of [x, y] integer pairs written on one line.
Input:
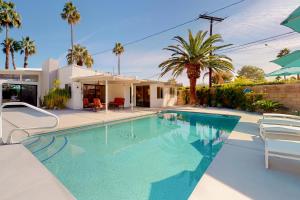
{"points": [[25, 177], [121, 120], [55, 185], [98, 124], [206, 186], [238, 170]]}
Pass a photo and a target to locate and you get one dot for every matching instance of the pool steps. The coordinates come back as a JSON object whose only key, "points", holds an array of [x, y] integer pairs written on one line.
{"points": [[45, 148]]}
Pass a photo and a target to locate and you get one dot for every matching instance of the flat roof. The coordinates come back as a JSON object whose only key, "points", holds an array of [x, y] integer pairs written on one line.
{"points": [[117, 79], [22, 70], [106, 76]]}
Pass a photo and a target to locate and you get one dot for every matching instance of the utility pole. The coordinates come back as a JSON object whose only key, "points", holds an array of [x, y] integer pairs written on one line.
{"points": [[212, 19]]}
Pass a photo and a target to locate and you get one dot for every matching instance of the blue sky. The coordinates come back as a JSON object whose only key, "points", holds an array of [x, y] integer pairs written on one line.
{"points": [[105, 22]]}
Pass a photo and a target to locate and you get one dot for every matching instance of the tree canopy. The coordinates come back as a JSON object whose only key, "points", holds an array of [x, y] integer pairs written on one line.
{"points": [[195, 55], [283, 52], [252, 73]]}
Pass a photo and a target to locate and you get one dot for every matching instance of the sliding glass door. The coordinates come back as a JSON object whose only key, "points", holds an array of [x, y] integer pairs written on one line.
{"points": [[143, 96], [19, 93], [94, 91]]}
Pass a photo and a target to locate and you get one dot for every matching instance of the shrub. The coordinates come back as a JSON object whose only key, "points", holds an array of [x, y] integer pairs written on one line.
{"points": [[185, 94], [56, 98], [229, 96], [267, 105], [242, 81], [250, 99], [202, 95]]}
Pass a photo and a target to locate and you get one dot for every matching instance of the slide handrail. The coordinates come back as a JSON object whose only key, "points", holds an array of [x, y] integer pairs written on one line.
{"points": [[9, 138]]}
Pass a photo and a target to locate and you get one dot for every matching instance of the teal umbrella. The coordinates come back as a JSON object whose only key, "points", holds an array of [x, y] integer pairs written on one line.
{"points": [[293, 21], [290, 60], [287, 71]]}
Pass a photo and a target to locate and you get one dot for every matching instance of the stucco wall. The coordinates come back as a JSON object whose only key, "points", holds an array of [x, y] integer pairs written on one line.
{"points": [[65, 74], [167, 100], [287, 94], [49, 74]]}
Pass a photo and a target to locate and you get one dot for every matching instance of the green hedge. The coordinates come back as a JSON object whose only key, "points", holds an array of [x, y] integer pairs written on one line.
{"points": [[228, 96], [233, 95]]}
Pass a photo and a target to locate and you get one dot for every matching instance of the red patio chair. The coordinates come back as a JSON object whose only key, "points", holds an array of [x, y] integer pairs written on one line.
{"points": [[86, 103], [97, 104], [119, 102]]}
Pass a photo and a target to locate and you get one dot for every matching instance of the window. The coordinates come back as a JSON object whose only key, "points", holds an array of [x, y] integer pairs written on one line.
{"points": [[19, 92], [69, 89], [30, 78], [160, 93], [172, 92], [13, 77], [94, 91], [130, 95]]}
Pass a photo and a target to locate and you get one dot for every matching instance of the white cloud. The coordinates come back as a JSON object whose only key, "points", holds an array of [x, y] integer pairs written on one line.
{"points": [[261, 55], [259, 20], [142, 63], [256, 19]]}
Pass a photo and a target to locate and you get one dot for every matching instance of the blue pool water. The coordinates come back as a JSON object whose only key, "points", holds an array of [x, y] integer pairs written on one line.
{"points": [[152, 158]]}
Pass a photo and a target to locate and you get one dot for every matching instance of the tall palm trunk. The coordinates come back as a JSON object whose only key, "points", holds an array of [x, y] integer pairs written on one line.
{"points": [[13, 59], [7, 49], [193, 81], [193, 72], [26, 59], [119, 62], [210, 77], [72, 43]]}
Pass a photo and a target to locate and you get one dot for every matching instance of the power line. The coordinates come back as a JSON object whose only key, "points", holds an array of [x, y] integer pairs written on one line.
{"points": [[211, 19], [171, 28], [249, 44], [228, 6]]}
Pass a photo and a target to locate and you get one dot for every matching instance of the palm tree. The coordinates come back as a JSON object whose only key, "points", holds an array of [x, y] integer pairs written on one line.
{"points": [[80, 56], [118, 50], [14, 46], [9, 18], [219, 77], [28, 48], [195, 55], [72, 15], [89, 61], [283, 52]]}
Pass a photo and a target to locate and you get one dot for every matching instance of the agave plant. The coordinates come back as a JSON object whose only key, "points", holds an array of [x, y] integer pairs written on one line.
{"points": [[268, 105], [195, 55]]}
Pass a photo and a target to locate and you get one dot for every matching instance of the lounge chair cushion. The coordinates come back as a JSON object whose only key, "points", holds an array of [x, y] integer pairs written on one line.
{"points": [[273, 128], [284, 147], [277, 115], [280, 121]]}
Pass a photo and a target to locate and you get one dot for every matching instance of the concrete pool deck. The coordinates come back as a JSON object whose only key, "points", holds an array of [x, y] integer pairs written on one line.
{"points": [[237, 172]]}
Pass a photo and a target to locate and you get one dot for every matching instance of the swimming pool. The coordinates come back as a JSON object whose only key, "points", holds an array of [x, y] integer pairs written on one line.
{"points": [[151, 158]]}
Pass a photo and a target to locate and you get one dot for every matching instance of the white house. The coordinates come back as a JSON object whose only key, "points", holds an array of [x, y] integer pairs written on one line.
{"points": [[30, 85]]}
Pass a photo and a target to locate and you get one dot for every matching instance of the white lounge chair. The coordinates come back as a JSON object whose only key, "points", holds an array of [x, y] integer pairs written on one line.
{"points": [[281, 148], [276, 115], [280, 121], [279, 130]]}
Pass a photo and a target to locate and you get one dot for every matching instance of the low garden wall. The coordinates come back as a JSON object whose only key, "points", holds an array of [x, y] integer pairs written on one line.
{"points": [[286, 94]]}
